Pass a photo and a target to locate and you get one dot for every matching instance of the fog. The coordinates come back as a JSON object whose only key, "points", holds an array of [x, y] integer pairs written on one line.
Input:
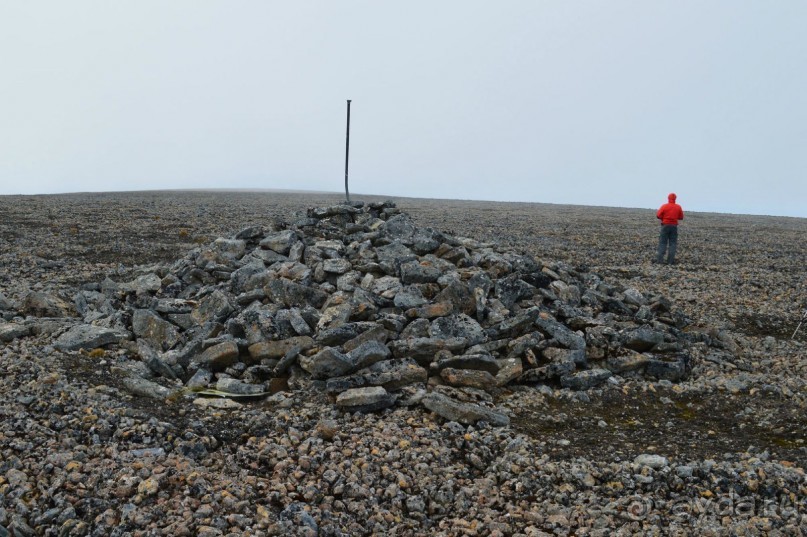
{"points": [[595, 103]]}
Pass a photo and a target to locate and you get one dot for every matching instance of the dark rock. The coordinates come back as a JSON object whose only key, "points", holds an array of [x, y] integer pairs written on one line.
{"points": [[634, 297], [249, 233], [343, 333], [468, 378], [642, 339], [326, 364], [333, 210], [40, 304], [515, 324], [6, 304], [369, 353], [295, 320], [182, 356], [268, 257], [455, 255], [182, 320], [391, 374], [569, 294], [88, 337], [509, 370], [230, 248], [459, 296], [237, 387], [199, 380], [399, 227], [386, 287], [376, 333], [145, 388], [512, 289], [478, 362], [644, 314], [419, 272], [425, 241], [393, 322], [12, 331], [368, 399], [632, 361], [149, 326], [288, 360], [173, 305], [430, 311], [551, 371], [217, 357], [561, 333], [467, 413], [457, 326], [278, 349], [425, 347], [151, 358], [294, 271], [142, 285], [661, 305], [520, 345], [409, 297], [674, 370], [392, 256], [577, 356], [250, 277], [537, 279], [336, 266], [584, 380], [290, 294], [213, 307], [280, 242], [614, 305]]}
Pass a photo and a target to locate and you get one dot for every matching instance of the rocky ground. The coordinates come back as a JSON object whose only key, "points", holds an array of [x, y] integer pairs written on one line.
{"points": [[721, 453]]}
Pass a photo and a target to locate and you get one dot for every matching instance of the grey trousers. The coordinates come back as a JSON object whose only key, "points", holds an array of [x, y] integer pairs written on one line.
{"points": [[667, 238]]}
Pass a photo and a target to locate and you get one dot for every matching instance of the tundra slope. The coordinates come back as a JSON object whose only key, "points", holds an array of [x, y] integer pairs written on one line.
{"points": [[100, 459]]}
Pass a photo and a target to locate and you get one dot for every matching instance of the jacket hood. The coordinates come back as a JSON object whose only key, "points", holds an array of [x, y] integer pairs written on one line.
{"points": [[671, 197]]}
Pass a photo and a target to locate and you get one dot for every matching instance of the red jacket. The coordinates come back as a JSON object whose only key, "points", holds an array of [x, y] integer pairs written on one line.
{"points": [[670, 213]]}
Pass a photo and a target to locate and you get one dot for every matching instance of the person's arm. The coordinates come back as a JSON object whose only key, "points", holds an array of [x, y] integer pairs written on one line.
{"points": [[680, 213], [658, 213]]}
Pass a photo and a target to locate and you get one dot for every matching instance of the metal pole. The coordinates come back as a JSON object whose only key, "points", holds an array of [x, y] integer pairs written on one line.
{"points": [[347, 150]]}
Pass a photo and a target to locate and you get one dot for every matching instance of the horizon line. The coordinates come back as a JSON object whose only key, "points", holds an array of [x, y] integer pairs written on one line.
{"points": [[388, 196]]}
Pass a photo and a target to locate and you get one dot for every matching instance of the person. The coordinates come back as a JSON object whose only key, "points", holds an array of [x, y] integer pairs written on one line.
{"points": [[670, 213]]}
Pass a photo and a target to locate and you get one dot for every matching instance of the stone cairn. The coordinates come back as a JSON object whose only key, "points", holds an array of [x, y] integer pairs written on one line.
{"points": [[358, 301]]}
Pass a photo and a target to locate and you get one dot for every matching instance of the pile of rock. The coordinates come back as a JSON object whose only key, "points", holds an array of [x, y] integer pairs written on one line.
{"points": [[375, 310]]}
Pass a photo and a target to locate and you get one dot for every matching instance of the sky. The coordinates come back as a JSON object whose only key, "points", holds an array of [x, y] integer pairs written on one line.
{"points": [[611, 103]]}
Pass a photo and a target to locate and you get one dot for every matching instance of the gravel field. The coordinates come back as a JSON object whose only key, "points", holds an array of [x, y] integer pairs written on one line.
{"points": [[721, 453]]}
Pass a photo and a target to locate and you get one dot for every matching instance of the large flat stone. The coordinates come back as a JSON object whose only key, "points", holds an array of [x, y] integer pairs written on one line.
{"points": [[88, 337], [632, 361], [278, 349], [326, 364], [584, 380], [12, 331], [218, 357], [642, 339], [468, 378], [467, 413], [365, 399], [479, 362], [147, 325], [561, 333], [391, 374]]}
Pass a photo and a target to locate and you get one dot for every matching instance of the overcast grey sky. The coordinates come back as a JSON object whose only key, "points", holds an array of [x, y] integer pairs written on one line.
{"points": [[596, 103]]}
